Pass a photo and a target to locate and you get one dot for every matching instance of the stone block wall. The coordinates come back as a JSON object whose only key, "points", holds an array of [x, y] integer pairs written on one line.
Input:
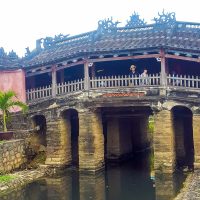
{"points": [[164, 152], [12, 155], [196, 137]]}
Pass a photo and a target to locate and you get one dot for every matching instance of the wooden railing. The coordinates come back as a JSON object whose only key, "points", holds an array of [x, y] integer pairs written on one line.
{"points": [[69, 87], [178, 81], [39, 93], [185, 81], [124, 81]]}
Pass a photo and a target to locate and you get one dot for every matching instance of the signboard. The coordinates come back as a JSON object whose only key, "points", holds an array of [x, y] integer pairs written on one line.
{"points": [[127, 94]]}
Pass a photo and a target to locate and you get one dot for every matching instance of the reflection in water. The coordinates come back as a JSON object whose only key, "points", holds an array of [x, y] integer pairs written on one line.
{"points": [[128, 181]]}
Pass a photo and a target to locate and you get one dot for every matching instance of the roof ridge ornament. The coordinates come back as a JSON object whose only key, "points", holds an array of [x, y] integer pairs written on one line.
{"points": [[105, 26], [165, 18], [135, 21]]}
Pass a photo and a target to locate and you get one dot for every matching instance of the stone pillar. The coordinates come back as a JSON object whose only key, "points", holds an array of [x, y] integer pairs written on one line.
{"points": [[54, 81], [91, 141], [113, 138], [59, 188], [144, 135], [58, 142], [196, 138], [92, 186], [164, 153], [114, 182], [119, 143], [165, 188]]}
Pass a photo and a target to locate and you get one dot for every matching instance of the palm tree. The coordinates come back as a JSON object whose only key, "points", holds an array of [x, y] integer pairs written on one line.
{"points": [[6, 103]]}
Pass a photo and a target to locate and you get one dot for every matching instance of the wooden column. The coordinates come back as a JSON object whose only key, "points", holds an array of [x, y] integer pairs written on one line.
{"points": [[86, 76], [93, 71], [54, 81], [62, 76], [163, 73]]}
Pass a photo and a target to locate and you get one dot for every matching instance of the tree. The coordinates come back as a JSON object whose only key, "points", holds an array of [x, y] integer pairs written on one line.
{"points": [[6, 103]]}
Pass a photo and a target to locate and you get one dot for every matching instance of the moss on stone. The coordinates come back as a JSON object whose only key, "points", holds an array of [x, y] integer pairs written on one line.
{"points": [[6, 178]]}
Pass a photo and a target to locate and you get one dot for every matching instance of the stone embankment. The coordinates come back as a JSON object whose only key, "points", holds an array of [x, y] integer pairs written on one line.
{"points": [[12, 155], [191, 189], [21, 178]]}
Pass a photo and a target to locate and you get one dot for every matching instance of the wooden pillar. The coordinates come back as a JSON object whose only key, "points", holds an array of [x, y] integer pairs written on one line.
{"points": [[86, 76], [91, 141], [54, 81], [164, 153], [62, 76], [31, 82], [163, 80], [196, 138], [93, 71]]}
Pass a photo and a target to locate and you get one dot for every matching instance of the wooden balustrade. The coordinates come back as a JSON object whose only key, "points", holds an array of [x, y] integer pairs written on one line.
{"points": [[69, 87], [184, 81], [124, 81], [38, 93]]}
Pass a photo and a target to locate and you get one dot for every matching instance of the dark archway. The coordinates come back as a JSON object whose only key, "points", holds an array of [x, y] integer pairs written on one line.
{"points": [[40, 127], [126, 131], [71, 122], [183, 137]]}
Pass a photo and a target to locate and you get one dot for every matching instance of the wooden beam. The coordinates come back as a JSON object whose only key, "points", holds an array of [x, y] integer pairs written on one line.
{"points": [[37, 73], [70, 65], [182, 58], [125, 58], [96, 60]]}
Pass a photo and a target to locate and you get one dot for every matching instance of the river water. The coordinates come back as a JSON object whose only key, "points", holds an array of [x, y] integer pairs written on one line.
{"points": [[130, 180]]}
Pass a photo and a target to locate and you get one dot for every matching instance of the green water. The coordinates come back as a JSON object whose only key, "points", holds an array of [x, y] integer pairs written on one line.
{"points": [[132, 180]]}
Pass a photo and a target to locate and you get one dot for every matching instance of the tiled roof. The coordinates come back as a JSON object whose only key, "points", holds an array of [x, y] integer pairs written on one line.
{"points": [[181, 36], [7, 63]]}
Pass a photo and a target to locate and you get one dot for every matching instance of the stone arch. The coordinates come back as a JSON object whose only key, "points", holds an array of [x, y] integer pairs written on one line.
{"points": [[183, 136], [70, 125], [126, 131]]}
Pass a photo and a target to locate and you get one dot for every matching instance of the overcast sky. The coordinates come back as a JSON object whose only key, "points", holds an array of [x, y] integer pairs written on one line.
{"points": [[24, 21]]}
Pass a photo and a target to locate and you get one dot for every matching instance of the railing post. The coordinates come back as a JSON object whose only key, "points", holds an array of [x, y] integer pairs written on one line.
{"points": [[54, 81], [163, 74], [86, 76]]}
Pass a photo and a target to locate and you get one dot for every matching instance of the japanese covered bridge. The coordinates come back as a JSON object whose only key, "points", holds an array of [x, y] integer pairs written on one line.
{"points": [[86, 107]]}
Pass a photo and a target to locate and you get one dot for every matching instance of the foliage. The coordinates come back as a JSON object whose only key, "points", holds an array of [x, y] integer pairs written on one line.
{"points": [[151, 125], [2, 141], [6, 103], [6, 178]]}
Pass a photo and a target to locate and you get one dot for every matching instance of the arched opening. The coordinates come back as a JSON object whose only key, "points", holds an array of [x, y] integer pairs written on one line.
{"points": [[183, 137], [71, 127], [126, 132], [37, 142], [40, 127]]}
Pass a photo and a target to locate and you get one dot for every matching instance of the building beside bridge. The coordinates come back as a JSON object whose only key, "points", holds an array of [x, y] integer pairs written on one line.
{"points": [[89, 108]]}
